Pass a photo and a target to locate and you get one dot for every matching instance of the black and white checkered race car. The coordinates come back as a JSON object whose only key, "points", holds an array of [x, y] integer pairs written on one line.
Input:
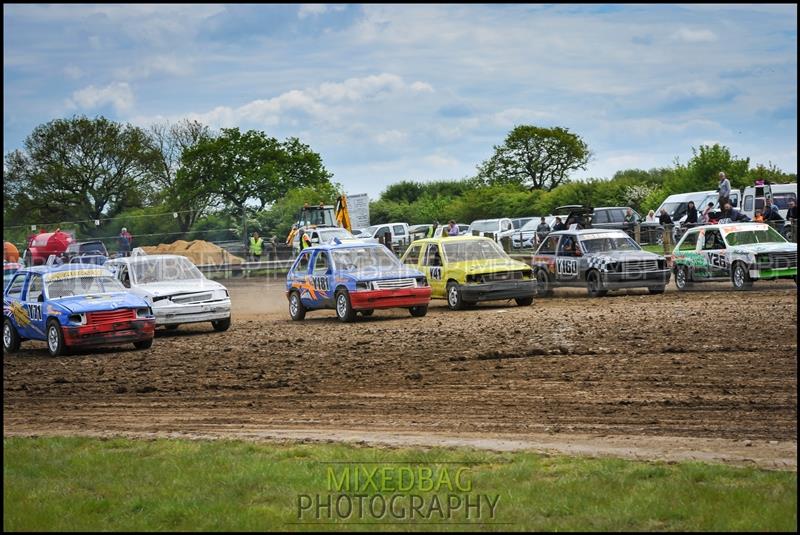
{"points": [[599, 260]]}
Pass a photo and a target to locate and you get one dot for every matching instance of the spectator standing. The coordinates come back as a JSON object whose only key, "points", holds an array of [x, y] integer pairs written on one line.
{"points": [[125, 242], [452, 228], [664, 218], [691, 214], [733, 215], [559, 225], [651, 217], [256, 247], [705, 218], [724, 189], [791, 213], [542, 230]]}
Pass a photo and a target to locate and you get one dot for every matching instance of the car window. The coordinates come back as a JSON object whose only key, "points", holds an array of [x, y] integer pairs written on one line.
{"points": [[124, 276], [748, 203], [412, 256], [617, 216], [432, 256], [506, 225], [600, 217], [35, 287], [568, 246], [781, 200], [15, 288], [301, 266], [689, 242], [549, 245], [321, 263], [713, 240], [399, 229]]}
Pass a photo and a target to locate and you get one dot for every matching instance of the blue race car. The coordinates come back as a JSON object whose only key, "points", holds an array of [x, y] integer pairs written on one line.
{"points": [[71, 306], [354, 277]]}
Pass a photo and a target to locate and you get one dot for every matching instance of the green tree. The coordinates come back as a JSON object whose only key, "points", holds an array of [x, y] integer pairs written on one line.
{"points": [[535, 157], [78, 169]]}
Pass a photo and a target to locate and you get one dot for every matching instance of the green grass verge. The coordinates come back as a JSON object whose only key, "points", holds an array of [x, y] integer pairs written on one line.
{"points": [[91, 484]]}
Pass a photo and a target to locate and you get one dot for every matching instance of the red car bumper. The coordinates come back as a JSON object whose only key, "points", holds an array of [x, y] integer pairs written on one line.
{"points": [[402, 298], [109, 333]]}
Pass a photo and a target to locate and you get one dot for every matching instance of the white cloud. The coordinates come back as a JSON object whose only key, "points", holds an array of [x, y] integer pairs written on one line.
{"points": [[391, 137], [690, 35], [308, 10], [73, 72], [117, 94], [154, 65]]}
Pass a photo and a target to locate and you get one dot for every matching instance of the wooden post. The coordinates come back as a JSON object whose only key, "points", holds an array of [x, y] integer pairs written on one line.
{"points": [[667, 239], [506, 241], [637, 233]]}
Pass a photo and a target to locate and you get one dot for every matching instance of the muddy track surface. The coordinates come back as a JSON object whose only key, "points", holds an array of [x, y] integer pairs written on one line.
{"points": [[709, 364]]}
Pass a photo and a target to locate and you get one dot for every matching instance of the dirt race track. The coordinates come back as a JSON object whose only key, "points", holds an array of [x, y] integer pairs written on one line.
{"points": [[707, 374]]}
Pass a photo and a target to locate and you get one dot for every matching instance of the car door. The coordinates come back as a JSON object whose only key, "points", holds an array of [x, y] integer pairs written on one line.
{"points": [[17, 309], [321, 274], [567, 259], [433, 267], [33, 300], [398, 234], [300, 278], [715, 254], [686, 253], [411, 257]]}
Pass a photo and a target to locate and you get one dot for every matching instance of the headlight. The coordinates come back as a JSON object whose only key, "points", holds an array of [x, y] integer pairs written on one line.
{"points": [[144, 312], [220, 294], [363, 285], [422, 282], [78, 319]]}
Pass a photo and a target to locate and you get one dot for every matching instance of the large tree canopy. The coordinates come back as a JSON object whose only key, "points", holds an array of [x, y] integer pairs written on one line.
{"points": [[538, 158], [78, 169], [250, 166]]}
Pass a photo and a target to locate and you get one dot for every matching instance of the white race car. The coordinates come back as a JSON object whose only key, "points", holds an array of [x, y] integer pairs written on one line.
{"points": [[176, 290]]}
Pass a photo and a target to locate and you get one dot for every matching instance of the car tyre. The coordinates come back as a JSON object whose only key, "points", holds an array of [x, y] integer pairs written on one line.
{"points": [[297, 309], [543, 286], [524, 301], [655, 290], [143, 344], [682, 280], [11, 339], [55, 339], [344, 308], [221, 325], [418, 311], [454, 299], [594, 284], [740, 277]]}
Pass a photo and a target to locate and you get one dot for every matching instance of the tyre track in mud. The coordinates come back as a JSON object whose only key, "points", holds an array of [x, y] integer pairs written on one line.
{"points": [[705, 364]]}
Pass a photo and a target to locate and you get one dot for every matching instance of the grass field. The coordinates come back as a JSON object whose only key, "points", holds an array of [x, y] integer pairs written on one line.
{"points": [[91, 484]]}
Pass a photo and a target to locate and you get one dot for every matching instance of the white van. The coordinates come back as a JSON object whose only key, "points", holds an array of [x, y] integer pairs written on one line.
{"points": [[501, 228], [753, 199], [399, 231]]}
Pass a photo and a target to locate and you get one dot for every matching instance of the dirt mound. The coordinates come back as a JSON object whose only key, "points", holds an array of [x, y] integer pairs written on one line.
{"points": [[198, 251]]}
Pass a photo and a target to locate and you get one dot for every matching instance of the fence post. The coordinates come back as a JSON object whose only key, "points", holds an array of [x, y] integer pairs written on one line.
{"points": [[506, 241], [667, 238], [794, 229], [637, 233]]}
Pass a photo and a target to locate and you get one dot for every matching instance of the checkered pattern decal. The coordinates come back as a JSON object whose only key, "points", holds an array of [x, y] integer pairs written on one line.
{"points": [[597, 262]]}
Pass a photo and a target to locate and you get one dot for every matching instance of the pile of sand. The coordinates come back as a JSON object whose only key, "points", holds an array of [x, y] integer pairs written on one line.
{"points": [[198, 251]]}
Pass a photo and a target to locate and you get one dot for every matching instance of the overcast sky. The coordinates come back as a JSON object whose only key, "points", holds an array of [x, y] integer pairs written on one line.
{"points": [[419, 92]]}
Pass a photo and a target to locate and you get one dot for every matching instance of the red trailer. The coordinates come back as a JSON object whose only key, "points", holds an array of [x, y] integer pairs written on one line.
{"points": [[41, 246]]}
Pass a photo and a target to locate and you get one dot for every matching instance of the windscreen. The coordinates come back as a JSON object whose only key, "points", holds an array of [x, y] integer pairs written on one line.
{"points": [[164, 269], [465, 250], [362, 258], [676, 210], [747, 237], [329, 234], [486, 226], [603, 244], [67, 287]]}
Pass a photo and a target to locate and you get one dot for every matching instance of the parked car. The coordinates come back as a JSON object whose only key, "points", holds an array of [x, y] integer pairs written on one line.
{"points": [[599, 260], [322, 235], [97, 260], [526, 236], [9, 268], [73, 306], [399, 231], [93, 247], [351, 278], [519, 222], [739, 252], [500, 228], [468, 269], [178, 292], [418, 232]]}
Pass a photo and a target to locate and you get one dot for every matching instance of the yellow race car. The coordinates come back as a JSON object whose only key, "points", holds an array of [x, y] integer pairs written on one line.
{"points": [[468, 269]]}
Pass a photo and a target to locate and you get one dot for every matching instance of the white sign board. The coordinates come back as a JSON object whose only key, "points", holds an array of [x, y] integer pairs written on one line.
{"points": [[358, 206]]}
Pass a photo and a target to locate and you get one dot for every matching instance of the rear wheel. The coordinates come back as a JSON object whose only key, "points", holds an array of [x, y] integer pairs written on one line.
{"points": [[418, 311], [296, 308], [221, 325], [143, 344], [594, 284], [741, 277], [524, 301], [55, 339], [11, 338], [543, 287], [344, 309], [682, 281], [454, 299]]}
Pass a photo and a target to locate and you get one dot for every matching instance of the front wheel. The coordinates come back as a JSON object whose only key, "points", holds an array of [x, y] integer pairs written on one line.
{"points": [[11, 338], [543, 287], [741, 277], [682, 281], [296, 308], [594, 285], [143, 344], [454, 299], [55, 339], [524, 301], [344, 309], [221, 325], [418, 311]]}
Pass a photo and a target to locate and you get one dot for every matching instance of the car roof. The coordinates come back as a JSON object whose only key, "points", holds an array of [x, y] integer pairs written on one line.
{"points": [[343, 245], [730, 226], [583, 232], [59, 268], [452, 239], [144, 257]]}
